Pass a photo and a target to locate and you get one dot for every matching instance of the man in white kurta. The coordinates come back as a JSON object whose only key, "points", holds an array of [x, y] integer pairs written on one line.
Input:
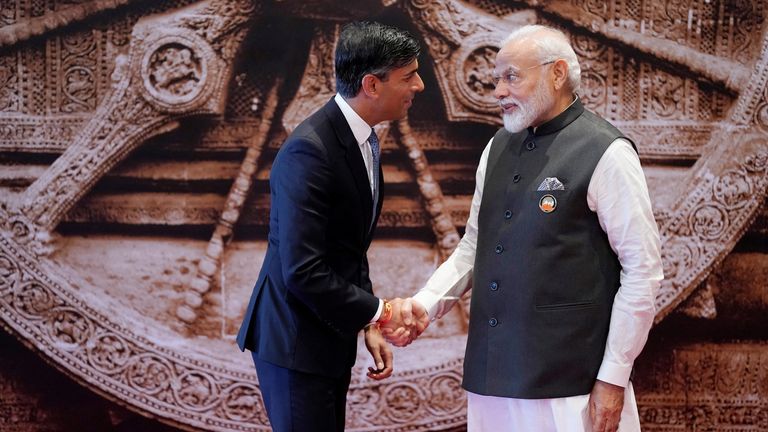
{"points": [[537, 76]]}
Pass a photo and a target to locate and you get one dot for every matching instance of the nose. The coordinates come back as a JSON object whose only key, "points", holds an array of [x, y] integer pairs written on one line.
{"points": [[500, 91], [419, 84]]}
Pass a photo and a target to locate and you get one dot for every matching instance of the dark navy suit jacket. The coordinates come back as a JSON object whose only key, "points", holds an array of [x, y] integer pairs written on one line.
{"points": [[313, 294]]}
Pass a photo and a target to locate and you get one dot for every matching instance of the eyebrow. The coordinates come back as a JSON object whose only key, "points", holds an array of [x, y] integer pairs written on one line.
{"points": [[510, 69], [411, 73]]}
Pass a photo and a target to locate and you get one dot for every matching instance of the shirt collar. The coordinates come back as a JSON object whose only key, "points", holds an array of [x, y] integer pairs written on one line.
{"points": [[560, 121], [360, 129]]}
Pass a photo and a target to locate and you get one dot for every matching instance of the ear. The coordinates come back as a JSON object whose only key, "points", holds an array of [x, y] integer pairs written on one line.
{"points": [[370, 85], [560, 70]]}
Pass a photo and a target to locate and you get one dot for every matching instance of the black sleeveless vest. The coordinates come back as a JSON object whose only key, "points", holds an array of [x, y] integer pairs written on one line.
{"points": [[545, 275]]}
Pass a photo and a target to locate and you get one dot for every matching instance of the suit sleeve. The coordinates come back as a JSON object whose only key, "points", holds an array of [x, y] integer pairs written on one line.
{"points": [[301, 184]]}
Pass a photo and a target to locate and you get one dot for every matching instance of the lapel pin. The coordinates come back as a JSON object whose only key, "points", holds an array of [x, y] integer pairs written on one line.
{"points": [[547, 203]]}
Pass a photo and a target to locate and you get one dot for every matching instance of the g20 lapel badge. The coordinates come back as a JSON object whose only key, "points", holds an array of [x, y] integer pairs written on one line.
{"points": [[547, 203]]}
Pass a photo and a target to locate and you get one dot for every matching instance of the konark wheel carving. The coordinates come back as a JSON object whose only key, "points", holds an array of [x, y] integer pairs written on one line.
{"points": [[168, 73]]}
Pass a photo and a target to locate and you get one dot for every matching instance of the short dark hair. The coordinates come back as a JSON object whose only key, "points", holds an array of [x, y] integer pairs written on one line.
{"points": [[368, 47]]}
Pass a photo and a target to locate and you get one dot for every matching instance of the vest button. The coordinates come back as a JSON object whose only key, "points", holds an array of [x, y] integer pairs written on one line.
{"points": [[493, 322], [499, 248], [516, 178], [530, 145], [494, 286], [508, 214]]}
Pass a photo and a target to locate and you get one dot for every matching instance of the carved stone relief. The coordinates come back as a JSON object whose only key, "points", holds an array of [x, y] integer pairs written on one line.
{"points": [[710, 116]]}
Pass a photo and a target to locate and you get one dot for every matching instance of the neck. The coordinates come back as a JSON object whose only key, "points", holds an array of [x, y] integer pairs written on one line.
{"points": [[561, 103], [363, 108]]}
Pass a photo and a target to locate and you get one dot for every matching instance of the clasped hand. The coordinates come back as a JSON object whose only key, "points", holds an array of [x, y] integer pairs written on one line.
{"points": [[409, 320]]}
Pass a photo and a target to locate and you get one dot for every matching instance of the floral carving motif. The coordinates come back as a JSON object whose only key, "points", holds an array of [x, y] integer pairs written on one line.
{"points": [[447, 396], [9, 274], [79, 89], [709, 220], [757, 162], [593, 90], [68, 326], [78, 81], [733, 189], [109, 352], [365, 404], [152, 375], [667, 95], [175, 72], [243, 403], [149, 374], [195, 391], [403, 401], [33, 300], [477, 69], [9, 97], [677, 256]]}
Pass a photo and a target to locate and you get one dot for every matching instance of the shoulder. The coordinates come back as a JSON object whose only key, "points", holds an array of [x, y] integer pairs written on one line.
{"points": [[601, 125], [315, 134]]}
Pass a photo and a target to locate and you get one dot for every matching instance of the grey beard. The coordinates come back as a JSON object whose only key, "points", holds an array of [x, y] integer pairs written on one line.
{"points": [[527, 114], [515, 123]]}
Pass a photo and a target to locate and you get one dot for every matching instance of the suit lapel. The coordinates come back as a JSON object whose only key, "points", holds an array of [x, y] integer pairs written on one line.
{"points": [[354, 160], [378, 204]]}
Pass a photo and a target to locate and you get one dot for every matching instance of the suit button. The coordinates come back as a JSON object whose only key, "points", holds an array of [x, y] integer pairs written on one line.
{"points": [[508, 214], [494, 286], [516, 178], [499, 249], [530, 145], [493, 322]]}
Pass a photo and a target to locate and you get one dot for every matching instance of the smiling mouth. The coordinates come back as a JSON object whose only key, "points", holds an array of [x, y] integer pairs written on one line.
{"points": [[508, 107]]}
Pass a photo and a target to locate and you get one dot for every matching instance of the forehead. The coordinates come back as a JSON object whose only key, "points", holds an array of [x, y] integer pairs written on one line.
{"points": [[410, 67], [516, 54]]}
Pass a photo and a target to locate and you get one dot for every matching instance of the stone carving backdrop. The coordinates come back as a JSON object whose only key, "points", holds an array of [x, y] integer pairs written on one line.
{"points": [[135, 144]]}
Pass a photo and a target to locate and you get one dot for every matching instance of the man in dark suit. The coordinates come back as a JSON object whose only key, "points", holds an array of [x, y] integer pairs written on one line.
{"points": [[314, 294]]}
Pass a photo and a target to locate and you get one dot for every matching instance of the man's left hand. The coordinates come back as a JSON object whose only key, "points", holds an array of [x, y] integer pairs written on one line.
{"points": [[380, 351], [605, 404]]}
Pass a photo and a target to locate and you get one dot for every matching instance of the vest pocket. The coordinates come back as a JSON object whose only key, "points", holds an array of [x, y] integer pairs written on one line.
{"points": [[564, 306]]}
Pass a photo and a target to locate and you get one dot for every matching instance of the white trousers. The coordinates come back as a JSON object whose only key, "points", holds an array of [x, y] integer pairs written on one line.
{"points": [[569, 414]]}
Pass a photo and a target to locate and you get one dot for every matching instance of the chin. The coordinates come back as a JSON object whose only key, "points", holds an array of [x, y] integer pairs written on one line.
{"points": [[514, 123]]}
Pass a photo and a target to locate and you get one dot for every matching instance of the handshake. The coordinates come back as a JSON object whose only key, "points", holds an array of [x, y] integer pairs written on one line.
{"points": [[407, 320]]}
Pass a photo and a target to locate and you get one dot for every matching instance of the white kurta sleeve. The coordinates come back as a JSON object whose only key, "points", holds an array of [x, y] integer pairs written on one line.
{"points": [[454, 277], [619, 194]]}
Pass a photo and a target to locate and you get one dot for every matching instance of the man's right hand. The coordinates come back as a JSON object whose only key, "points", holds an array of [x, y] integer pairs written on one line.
{"points": [[409, 320]]}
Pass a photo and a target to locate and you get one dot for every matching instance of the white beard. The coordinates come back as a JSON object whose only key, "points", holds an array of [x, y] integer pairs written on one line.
{"points": [[518, 120], [527, 113]]}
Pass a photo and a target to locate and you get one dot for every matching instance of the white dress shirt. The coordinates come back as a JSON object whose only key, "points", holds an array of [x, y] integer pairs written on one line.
{"points": [[361, 130], [618, 194]]}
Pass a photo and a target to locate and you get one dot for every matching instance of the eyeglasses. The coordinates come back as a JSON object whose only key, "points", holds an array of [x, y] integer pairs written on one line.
{"points": [[512, 77]]}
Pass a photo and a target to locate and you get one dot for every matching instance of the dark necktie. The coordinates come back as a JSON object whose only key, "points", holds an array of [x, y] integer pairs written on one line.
{"points": [[373, 140]]}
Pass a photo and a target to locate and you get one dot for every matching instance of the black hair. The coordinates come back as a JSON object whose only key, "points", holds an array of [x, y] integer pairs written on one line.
{"points": [[368, 47]]}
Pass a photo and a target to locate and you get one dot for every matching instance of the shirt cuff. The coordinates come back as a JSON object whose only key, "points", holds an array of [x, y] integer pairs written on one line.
{"points": [[614, 373], [429, 301], [378, 312]]}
